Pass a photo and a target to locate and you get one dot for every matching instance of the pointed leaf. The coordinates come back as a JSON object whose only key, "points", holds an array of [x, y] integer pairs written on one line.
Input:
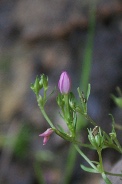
{"points": [[88, 169], [88, 91]]}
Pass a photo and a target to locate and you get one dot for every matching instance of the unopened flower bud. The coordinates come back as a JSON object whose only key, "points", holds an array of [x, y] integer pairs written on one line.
{"points": [[45, 81], [64, 83], [96, 138], [46, 135], [112, 135], [36, 87]]}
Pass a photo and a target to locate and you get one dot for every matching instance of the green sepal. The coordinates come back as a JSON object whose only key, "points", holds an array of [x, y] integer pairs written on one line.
{"points": [[72, 102], [44, 80], [36, 86], [113, 133], [60, 100]]}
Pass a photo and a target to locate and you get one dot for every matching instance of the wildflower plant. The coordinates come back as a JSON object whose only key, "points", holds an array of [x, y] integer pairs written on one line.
{"points": [[69, 110]]}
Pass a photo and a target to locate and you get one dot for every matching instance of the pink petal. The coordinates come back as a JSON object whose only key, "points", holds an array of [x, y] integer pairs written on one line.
{"points": [[48, 132], [45, 140]]}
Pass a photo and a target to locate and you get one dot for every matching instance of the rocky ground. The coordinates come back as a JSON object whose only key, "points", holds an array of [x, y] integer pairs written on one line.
{"points": [[48, 36]]}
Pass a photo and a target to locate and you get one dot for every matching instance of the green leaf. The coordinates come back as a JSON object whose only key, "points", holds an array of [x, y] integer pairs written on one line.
{"points": [[117, 100], [113, 124], [75, 120], [88, 169], [95, 162], [88, 91]]}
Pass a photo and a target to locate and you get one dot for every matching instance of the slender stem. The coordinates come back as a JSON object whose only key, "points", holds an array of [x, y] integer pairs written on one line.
{"points": [[68, 168], [107, 181], [38, 173], [112, 145], [85, 157], [43, 111], [68, 116], [113, 174], [100, 161], [46, 117], [67, 112], [45, 95], [102, 169], [84, 145], [90, 119], [85, 73]]}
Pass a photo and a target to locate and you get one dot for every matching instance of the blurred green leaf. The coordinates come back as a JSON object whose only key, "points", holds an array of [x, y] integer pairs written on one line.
{"points": [[21, 147], [88, 169], [44, 155], [88, 91], [117, 100]]}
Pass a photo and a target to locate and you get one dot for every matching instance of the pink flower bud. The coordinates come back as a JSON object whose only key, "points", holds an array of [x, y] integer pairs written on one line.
{"points": [[46, 135], [64, 83]]}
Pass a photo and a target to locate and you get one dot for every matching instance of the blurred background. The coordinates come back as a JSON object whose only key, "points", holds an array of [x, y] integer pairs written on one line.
{"points": [[49, 36]]}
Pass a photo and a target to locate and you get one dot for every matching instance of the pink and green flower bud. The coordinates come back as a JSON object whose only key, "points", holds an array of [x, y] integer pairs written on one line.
{"points": [[64, 83], [46, 135]]}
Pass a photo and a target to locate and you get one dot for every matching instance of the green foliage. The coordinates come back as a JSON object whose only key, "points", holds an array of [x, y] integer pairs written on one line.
{"points": [[88, 169], [70, 108], [117, 100], [21, 148]]}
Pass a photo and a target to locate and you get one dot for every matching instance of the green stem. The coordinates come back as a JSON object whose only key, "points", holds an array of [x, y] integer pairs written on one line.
{"points": [[38, 173], [112, 145], [84, 145], [85, 157], [102, 169], [90, 119], [67, 112], [68, 116], [46, 117], [107, 181], [113, 174], [100, 161], [85, 74], [93, 166], [45, 95], [86, 67], [71, 161], [43, 111]]}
